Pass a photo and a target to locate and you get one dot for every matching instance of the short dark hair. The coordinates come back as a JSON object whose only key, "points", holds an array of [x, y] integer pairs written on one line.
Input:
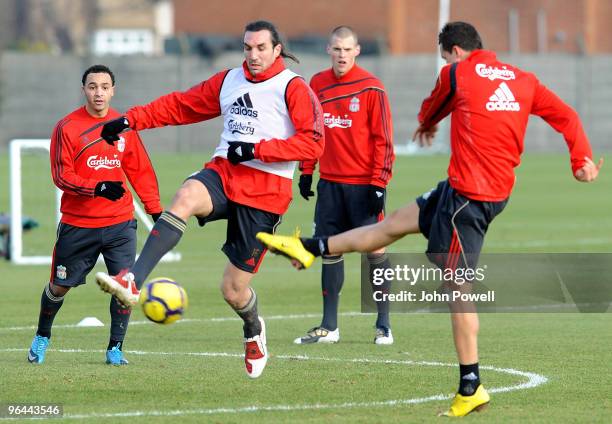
{"points": [[459, 34], [98, 69], [276, 38], [344, 31]]}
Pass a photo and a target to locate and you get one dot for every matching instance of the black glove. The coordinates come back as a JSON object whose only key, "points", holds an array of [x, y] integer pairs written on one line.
{"points": [[240, 151], [305, 185], [376, 199], [112, 129], [155, 216], [111, 190]]}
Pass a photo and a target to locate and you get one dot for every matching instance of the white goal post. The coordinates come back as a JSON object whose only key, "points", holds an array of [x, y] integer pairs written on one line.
{"points": [[16, 231]]}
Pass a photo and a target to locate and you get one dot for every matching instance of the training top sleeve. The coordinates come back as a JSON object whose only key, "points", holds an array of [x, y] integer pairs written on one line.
{"points": [[442, 98], [63, 172], [381, 133], [564, 120], [199, 103], [308, 166], [141, 174], [307, 117]]}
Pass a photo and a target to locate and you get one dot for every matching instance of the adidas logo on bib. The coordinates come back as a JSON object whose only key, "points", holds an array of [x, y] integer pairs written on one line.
{"points": [[243, 106]]}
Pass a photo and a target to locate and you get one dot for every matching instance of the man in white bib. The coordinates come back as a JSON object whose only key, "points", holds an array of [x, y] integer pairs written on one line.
{"points": [[271, 120]]}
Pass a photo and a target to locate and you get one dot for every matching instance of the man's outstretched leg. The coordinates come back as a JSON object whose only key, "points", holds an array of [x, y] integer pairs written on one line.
{"points": [[126, 285], [369, 238], [191, 199], [239, 294], [164, 236], [363, 239]]}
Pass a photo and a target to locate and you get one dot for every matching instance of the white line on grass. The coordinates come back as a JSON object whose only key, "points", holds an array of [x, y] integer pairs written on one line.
{"points": [[535, 308], [533, 380], [191, 320]]}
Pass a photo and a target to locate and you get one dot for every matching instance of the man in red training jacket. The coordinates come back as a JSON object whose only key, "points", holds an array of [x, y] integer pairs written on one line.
{"points": [[489, 102], [355, 169], [271, 120], [97, 210]]}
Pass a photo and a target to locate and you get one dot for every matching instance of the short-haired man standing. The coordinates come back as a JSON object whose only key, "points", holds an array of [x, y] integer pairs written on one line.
{"points": [[355, 169], [97, 211]]}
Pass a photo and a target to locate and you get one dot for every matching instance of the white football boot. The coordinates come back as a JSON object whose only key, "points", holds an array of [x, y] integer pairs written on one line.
{"points": [[256, 352]]}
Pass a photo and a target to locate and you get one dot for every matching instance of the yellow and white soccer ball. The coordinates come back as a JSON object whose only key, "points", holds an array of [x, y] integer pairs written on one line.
{"points": [[163, 300]]}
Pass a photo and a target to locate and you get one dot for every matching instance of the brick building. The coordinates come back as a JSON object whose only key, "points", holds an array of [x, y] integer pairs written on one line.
{"points": [[409, 26]]}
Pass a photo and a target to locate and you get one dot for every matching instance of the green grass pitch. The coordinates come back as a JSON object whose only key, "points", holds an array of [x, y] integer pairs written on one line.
{"points": [[192, 371]]}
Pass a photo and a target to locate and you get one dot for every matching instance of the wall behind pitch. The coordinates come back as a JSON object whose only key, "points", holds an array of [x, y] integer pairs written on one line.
{"points": [[38, 90]]}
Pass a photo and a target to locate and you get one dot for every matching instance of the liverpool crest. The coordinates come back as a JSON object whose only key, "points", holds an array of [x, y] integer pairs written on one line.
{"points": [[61, 272]]}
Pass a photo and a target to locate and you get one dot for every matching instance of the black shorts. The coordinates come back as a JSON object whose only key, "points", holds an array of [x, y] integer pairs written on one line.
{"points": [[77, 249], [342, 207], [454, 225], [243, 222]]}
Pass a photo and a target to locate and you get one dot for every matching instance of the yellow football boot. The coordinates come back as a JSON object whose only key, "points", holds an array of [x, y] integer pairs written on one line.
{"points": [[463, 405], [289, 246]]}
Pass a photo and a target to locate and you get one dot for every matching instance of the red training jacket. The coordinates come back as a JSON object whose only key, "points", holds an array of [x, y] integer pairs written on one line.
{"points": [[243, 184], [78, 164], [490, 103], [358, 128]]}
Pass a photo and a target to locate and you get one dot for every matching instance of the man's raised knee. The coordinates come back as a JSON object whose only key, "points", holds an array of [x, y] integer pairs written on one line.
{"points": [[192, 198]]}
